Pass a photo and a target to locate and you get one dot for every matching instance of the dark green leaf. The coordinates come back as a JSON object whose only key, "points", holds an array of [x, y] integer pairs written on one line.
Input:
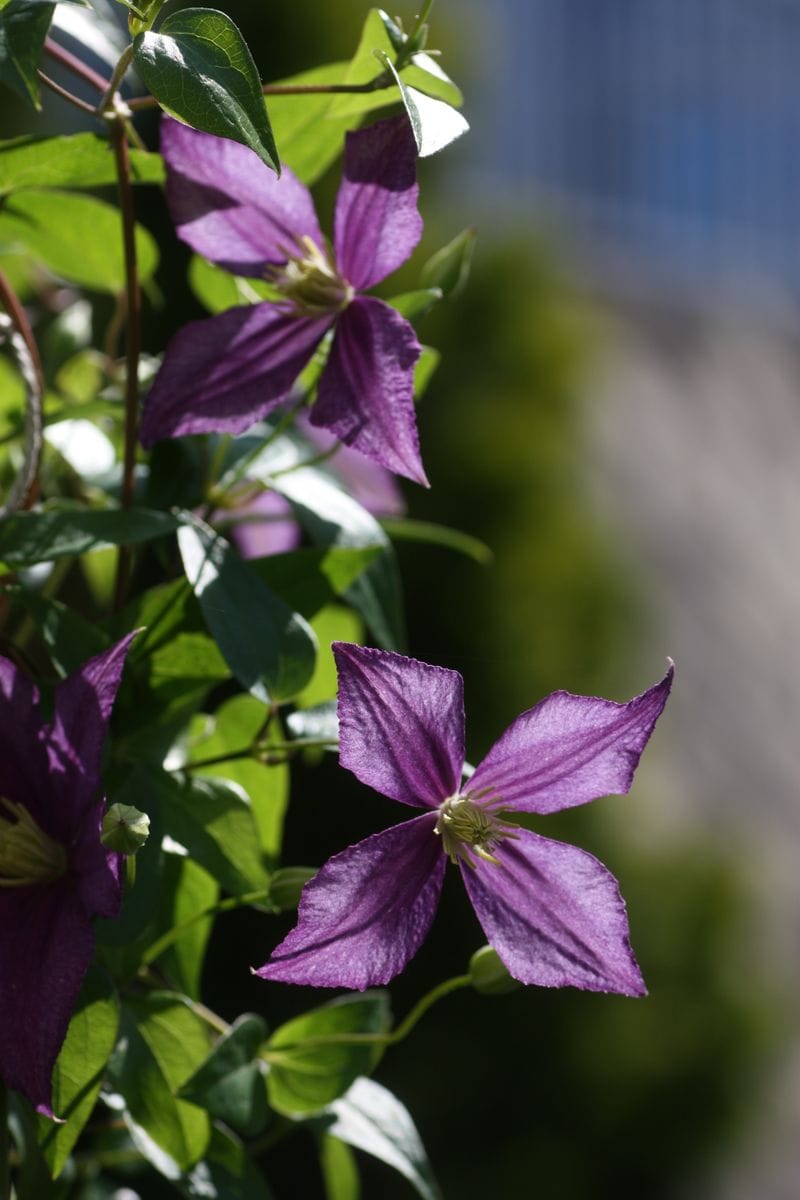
{"points": [[163, 1043], [309, 579], [79, 1069], [227, 1173], [230, 1083], [214, 821], [27, 538], [448, 268], [309, 1066], [319, 722], [68, 637], [23, 28], [370, 1118], [76, 160], [76, 237], [270, 649], [199, 68], [404, 529]]}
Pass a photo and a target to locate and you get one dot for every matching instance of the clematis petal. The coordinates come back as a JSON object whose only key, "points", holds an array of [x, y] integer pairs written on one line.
{"points": [[23, 760], [366, 393], [366, 913], [376, 223], [370, 484], [569, 749], [555, 916], [81, 712], [46, 945], [401, 724], [261, 526], [225, 372], [228, 206]]}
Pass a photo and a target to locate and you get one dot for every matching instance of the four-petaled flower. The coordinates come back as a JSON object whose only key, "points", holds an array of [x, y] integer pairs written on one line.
{"points": [[552, 912], [55, 875], [225, 372]]}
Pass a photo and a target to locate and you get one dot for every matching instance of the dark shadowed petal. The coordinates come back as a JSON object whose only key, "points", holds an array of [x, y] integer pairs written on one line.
{"points": [[222, 374], [228, 206], [366, 913], [81, 711], [366, 393], [46, 945], [569, 749], [377, 225], [555, 916], [23, 760], [96, 871], [401, 724]]}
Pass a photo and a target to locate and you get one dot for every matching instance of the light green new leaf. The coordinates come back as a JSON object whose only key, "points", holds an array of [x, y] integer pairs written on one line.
{"points": [[309, 1067], [269, 648], [339, 1169], [448, 269], [218, 290], [77, 160], [435, 123], [76, 237], [199, 68], [78, 1073], [23, 28], [370, 1118], [308, 130]]}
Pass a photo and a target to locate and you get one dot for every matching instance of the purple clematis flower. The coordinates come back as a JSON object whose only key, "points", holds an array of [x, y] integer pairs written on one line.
{"points": [[552, 912], [55, 875], [223, 373]]}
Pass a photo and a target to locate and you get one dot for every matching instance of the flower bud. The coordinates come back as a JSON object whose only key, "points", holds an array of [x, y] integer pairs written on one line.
{"points": [[488, 974], [286, 885], [125, 829]]}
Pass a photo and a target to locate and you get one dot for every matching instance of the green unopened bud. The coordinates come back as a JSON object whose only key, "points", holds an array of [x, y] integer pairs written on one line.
{"points": [[488, 974], [286, 885], [125, 829]]}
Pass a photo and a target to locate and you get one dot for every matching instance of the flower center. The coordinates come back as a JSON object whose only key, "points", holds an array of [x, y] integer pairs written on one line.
{"points": [[310, 280], [27, 854], [468, 825]]}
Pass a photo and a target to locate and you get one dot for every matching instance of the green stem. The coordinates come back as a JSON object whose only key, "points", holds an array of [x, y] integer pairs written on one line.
{"points": [[410, 49], [66, 95], [165, 941], [376, 84], [5, 1145], [108, 101], [396, 1035]]}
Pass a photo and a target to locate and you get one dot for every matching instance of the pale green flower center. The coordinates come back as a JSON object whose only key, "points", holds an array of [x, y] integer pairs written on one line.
{"points": [[27, 854], [470, 825], [310, 280]]}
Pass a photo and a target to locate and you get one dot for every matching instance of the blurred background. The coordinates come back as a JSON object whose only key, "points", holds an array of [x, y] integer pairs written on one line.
{"points": [[617, 414]]}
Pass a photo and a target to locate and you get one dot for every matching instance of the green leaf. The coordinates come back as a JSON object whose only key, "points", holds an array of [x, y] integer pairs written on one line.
{"points": [[435, 123], [23, 28], [270, 649], [163, 1043], [213, 819], [332, 518], [319, 722], [227, 1173], [416, 304], [438, 535], [230, 1083], [199, 68], [331, 624], [80, 1066], [77, 160], [448, 269], [69, 639], [218, 290], [306, 1073], [427, 363], [370, 1118], [309, 579], [27, 538], [76, 237], [339, 1170], [235, 725], [308, 131], [186, 891]]}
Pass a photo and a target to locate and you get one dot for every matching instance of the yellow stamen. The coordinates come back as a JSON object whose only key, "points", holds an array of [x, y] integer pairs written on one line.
{"points": [[27, 854], [310, 280], [469, 827]]}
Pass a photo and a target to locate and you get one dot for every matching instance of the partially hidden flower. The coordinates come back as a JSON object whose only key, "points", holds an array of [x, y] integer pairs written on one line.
{"points": [[225, 372], [552, 912], [55, 875]]}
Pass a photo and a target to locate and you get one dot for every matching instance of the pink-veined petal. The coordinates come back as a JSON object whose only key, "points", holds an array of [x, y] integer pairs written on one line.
{"points": [[401, 724], [569, 749], [46, 945], [221, 374], [377, 224], [366, 912], [555, 916], [366, 392], [228, 205]]}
